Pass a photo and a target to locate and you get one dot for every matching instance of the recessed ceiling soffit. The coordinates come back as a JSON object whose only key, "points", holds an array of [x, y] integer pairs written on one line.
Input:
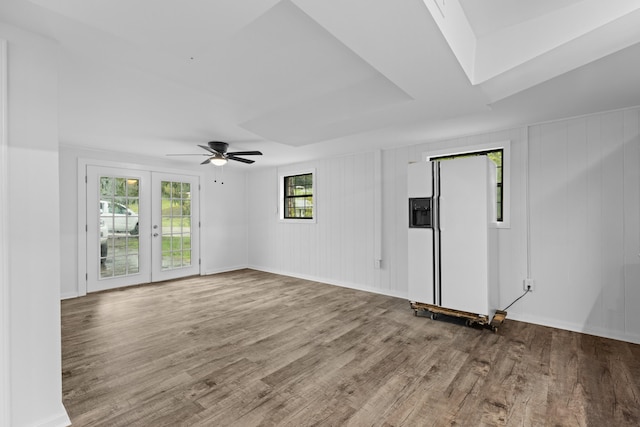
{"points": [[519, 52]]}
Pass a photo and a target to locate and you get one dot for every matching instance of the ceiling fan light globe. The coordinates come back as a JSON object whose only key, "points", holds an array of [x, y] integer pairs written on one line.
{"points": [[218, 161]]}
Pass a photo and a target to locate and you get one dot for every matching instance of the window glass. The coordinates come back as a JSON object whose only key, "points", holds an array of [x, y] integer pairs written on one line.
{"points": [[298, 196], [496, 156], [176, 224], [118, 210]]}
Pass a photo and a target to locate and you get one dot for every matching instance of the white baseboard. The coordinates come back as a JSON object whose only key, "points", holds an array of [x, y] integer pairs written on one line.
{"points": [[358, 287], [552, 323], [224, 270], [574, 327], [69, 295], [59, 420]]}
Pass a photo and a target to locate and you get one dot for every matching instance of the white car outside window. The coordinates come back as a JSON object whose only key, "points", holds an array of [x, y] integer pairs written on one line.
{"points": [[118, 218], [104, 241]]}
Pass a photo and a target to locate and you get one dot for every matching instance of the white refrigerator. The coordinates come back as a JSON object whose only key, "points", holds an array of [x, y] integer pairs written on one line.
{"points": [[452, 235]]}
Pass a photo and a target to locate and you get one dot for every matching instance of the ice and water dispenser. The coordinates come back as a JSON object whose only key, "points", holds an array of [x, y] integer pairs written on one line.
{"points": [[420, 212]]}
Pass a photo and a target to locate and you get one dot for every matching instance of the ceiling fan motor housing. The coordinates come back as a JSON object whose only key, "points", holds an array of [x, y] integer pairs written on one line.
{"points": [[220, 147]]}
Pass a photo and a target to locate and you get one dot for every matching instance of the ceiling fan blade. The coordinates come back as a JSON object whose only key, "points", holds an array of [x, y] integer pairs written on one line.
{"points": [[245, 153], [209, 149], [206, 162], [240, 159], [201, 154]]}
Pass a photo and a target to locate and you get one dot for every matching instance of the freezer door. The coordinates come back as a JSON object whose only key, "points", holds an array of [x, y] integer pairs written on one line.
{"points": [[464, 234], [419, 180], [420, 240]]}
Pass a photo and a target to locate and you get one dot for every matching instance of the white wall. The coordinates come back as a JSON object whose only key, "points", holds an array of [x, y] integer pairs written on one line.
{"points": [[5, 367], [585, 224], [585, 237], [224, 222], [33, 235], [339, 247], [223, 236]]}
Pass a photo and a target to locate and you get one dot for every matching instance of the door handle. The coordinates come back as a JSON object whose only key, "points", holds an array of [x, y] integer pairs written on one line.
{"points": [[155, 234], [441, 225]]}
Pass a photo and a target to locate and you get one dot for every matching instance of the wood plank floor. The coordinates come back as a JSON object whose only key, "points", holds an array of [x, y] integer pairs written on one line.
{"points": [[250, 348]]}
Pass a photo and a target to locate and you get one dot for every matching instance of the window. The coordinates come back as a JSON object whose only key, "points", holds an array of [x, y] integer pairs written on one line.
{"points": [[176, 224], [297, 200], [497, 156], [298, 196]]}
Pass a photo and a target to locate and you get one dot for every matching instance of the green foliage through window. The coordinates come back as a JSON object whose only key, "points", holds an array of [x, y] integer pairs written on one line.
{"points": [[496, 157], [176, 224], [298, 196]]}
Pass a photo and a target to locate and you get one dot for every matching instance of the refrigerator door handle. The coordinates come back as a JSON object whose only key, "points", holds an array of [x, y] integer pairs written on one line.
{"points": [[441, 223]]}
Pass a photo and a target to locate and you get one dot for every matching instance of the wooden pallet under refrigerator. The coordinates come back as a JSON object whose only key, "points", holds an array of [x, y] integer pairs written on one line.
{"points": [[471, 318]]}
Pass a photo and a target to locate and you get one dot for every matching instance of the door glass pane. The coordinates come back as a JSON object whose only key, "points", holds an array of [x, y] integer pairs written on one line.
{"points": [[176, 224], [118, 210]]}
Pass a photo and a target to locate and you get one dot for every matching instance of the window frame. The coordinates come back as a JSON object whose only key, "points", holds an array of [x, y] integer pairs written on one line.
{"points": [[505, 146], [281, 199]]}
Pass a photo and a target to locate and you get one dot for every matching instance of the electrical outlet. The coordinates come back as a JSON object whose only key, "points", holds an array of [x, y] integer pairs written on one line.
{"points": [[528, 284]]}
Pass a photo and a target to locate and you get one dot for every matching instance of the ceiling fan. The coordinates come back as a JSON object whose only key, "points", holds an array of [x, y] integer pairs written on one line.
{"points": [[218, 154]]}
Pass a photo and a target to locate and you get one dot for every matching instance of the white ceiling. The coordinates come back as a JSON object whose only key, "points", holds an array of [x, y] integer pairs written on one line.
{"points": [[490, 16], [302, 79]]}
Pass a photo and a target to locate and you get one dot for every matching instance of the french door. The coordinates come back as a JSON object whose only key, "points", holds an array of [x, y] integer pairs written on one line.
{"points": [[175, 227], [142, 227]]}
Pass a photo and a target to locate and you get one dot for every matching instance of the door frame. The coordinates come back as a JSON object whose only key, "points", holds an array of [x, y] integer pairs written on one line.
{"points": [[81, 170]]}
